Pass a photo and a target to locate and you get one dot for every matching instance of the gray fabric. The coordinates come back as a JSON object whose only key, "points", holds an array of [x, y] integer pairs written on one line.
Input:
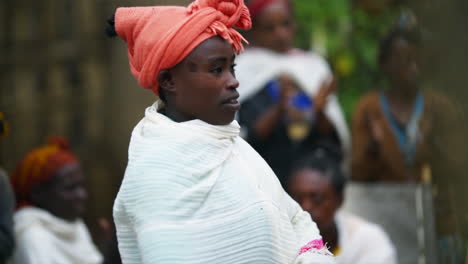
{"points": [[7, 205], [404, 211]]}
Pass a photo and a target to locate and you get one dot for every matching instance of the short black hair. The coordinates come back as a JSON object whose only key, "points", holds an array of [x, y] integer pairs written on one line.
{"points": [[326, 160]]}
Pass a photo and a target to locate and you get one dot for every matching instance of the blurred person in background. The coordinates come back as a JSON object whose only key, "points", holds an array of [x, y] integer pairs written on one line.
{"points": [[287, 95], [406, 133], [317, 184], [49, 185], [7, 205], [391, 125]]}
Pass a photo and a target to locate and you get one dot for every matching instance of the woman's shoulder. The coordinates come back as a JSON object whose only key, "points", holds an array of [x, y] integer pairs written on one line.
{"points": [[371, 97], [437, 99], [29, 224]]}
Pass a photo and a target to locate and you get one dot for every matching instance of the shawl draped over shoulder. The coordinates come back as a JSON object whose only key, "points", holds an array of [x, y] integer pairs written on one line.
{"points": [[198, 193]]}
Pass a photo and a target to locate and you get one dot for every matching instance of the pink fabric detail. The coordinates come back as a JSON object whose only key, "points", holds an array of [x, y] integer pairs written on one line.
{"points": [[314, 244]]}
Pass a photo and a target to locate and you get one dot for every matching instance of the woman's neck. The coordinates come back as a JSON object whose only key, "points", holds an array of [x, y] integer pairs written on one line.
{"points": [[173, 114], [330, 237], [398, 95]]}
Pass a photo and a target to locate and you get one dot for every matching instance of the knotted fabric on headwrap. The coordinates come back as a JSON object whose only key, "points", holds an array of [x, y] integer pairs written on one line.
{"points": [[160, 37], [38, 167]]}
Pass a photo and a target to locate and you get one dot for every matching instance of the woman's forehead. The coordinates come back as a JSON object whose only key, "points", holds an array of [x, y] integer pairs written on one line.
{"points": [[402, 44], [212, 48], [69, 173], [311, 177]]}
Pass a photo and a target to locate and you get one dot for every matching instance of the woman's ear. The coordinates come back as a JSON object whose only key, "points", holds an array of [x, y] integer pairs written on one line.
{"points": [[166, 81]]}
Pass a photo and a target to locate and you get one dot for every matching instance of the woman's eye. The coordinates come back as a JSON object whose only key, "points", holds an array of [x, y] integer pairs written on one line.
{"points": [[217, 70], [268, 28], [233, 67]]}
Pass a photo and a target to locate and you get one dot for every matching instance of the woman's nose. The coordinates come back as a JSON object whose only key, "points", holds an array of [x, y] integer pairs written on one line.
{"points": [[233, 83], [81, 193], [307, 205]]}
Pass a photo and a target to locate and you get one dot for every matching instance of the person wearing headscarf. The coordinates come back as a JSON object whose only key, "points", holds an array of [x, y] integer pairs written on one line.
{"points": [[193, 190], [7, 205], [287, 95], [50, 194]]}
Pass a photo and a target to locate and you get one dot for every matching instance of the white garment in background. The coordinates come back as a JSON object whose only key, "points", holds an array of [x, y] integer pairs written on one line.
{"points": [[198, 193], [42, 238], [257, 66], [362, 242]]}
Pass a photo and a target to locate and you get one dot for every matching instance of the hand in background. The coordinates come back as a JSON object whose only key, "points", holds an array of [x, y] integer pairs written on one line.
{"points": [[376, 133], [288, 90], [108, 242], [328, 87]]}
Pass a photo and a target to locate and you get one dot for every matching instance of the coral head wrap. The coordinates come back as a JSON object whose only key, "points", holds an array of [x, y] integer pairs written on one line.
{"points": [[38, 167], [159, 37]]}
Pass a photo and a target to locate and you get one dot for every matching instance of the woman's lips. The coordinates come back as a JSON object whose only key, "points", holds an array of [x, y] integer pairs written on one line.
{"points": [[232, 104]]}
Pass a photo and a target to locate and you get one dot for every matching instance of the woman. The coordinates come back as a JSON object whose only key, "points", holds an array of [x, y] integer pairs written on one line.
{"points": [[317, 184], [194, 191], [50, 194], [287, 96], [405, 134], [393, 127]]}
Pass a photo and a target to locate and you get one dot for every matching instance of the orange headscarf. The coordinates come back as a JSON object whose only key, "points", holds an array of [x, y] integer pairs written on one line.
{"points": [[38, 167], [160, 37]]}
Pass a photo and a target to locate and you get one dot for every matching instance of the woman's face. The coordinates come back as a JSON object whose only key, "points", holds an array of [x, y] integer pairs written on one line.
{"points": [[274, 28], [65, 194], [316, 195], [204, 83], [401, 66]]}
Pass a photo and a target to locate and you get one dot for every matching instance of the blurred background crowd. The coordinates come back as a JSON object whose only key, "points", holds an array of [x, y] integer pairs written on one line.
{"points": [[357, 105]]}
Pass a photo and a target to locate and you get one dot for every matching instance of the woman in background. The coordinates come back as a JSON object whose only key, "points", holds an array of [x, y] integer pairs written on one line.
{"points": [[391, 126], [406, 133], [50, 194], [318, 184], [287, 95]]}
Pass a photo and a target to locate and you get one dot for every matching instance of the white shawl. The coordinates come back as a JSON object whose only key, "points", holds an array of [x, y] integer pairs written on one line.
{"points": [[42, 238], [257, 66], [198, 193], [362, 242]]}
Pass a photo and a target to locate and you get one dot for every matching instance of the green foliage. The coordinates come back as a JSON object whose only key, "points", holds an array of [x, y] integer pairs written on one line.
{"points": [[348, 38]]}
